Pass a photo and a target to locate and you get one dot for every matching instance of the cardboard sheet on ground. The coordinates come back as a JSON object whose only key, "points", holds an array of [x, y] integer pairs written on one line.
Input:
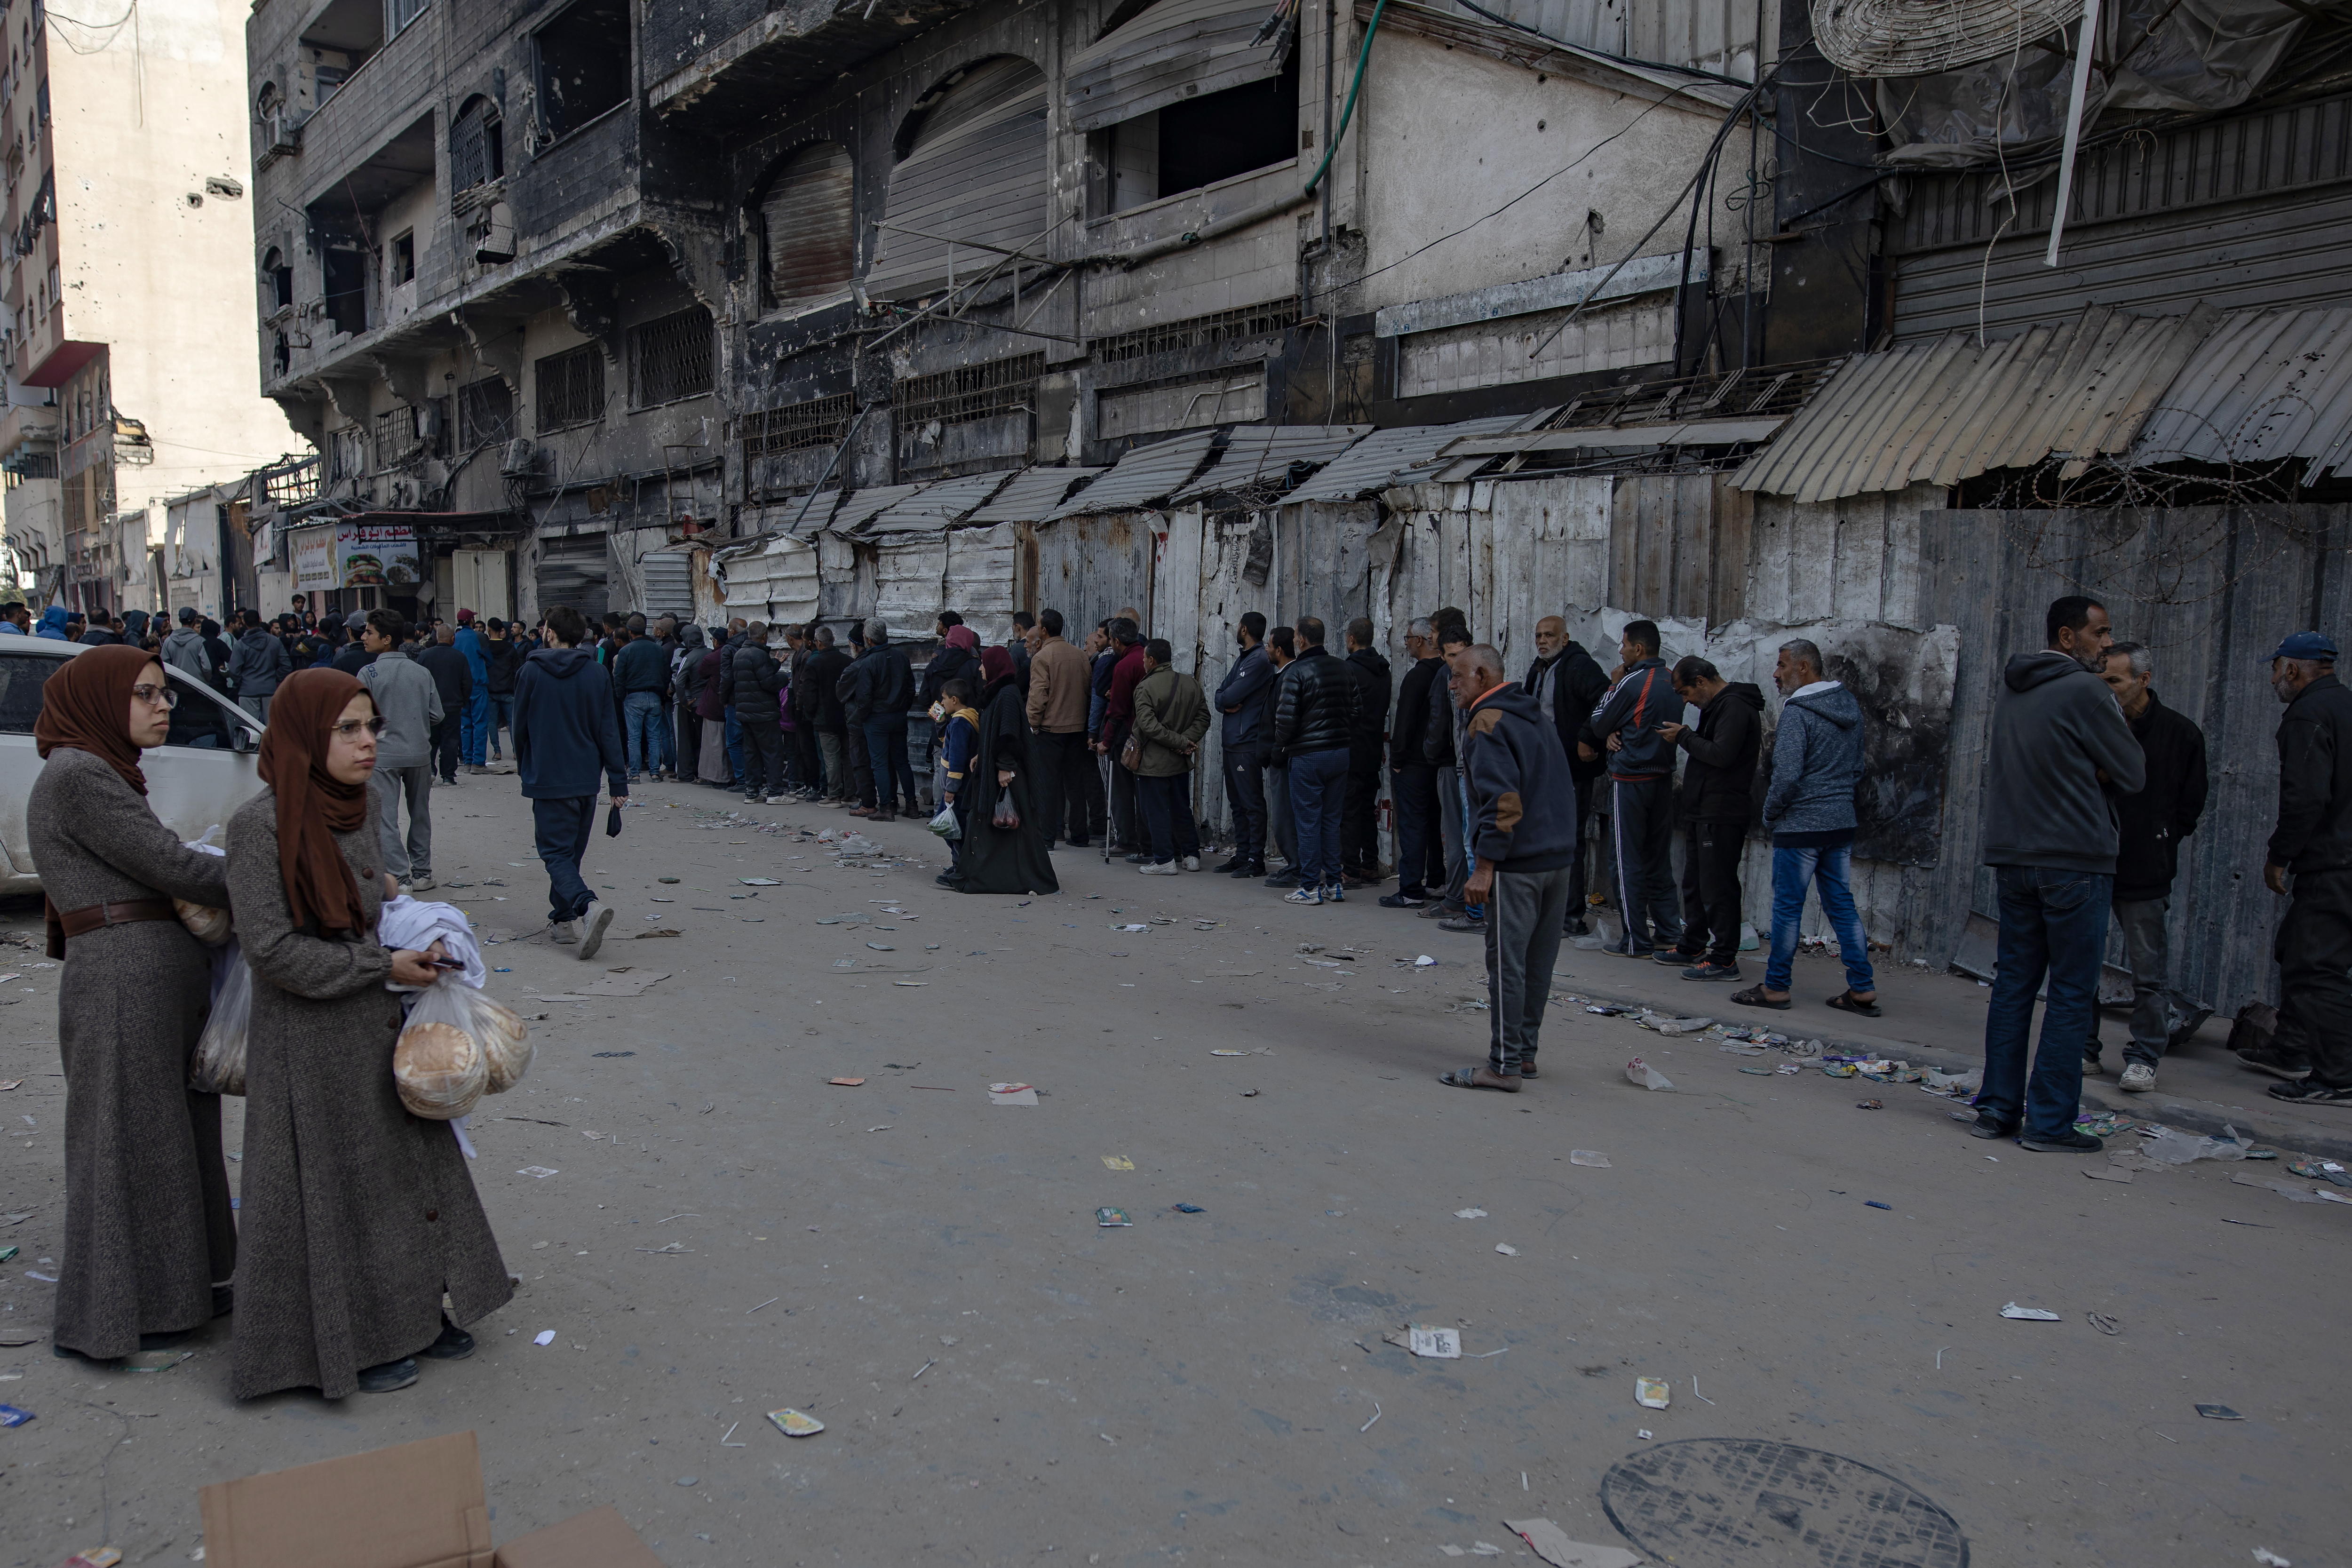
{"points": [[1552, 1543]]}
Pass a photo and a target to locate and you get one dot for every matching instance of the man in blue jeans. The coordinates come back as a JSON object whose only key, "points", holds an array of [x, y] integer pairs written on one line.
{"points": [[474, 729], [1314, 717], [1808, 807], [564, 736], [2060, 749], [641, 674]]}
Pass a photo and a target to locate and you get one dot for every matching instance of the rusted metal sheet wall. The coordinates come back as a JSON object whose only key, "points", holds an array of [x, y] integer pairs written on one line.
{"points": [[1679, 541], [1856, 558], [807, 226], [1719, 36], [2210, 591], [1090, 567]]}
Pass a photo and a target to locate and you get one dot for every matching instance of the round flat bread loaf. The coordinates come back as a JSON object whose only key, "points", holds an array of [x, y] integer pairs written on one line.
{"points": [[439, 1070], [207, 924], [506, 1042]]}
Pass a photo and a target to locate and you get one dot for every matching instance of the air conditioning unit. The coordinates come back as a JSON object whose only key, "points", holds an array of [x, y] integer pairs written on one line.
{"points": [[492, 233], [280, 132], [517, 458]]}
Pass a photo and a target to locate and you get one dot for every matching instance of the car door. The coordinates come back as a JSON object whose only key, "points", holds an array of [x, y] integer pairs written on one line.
{"points": [[22, 671], [206, 767]]}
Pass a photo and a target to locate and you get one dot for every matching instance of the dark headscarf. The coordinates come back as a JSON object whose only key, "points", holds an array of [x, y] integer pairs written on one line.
{"points": [[312, 803], [86, 705], [963, 637], [995, 665]]}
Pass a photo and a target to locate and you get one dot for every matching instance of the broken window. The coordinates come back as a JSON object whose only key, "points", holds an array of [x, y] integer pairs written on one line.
{"points": [[404, 12], [403, 258], [570, 387], [583, 61], [476, 145], [278, 278], [1197, 142], [338, 42], [671, 358], [485, 412], [971, 183], [346, 274], [1184, 93], [807, 225]]}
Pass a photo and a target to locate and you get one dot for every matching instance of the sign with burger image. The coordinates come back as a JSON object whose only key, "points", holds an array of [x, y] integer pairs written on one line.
{"points": [[369, 555]]}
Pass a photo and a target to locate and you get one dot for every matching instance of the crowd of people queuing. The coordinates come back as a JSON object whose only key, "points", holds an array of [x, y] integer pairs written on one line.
{"points": [[357, 1217]]}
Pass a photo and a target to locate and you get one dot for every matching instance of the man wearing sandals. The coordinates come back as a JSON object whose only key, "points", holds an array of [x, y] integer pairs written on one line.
{"points": [[1808, 807], [1523, 845]]}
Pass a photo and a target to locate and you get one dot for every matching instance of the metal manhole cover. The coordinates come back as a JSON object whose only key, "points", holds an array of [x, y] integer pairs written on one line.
{"points": [[1718, 1502]]}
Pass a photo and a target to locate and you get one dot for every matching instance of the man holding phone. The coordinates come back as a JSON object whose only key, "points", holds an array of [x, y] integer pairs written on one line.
{"points": [[565, 732]]}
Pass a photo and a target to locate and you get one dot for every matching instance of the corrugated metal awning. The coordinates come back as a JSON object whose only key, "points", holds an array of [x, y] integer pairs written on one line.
{"points": [[1145, 475], [1941, 412], [936, 506], [1265, 457], [1398, 455], [1177, 49], [1031, 494], [2265, 386], [864, 506]]}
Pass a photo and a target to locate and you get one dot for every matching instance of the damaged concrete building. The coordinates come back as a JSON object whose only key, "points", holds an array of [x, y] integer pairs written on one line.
{"points": [[1732, 316]]}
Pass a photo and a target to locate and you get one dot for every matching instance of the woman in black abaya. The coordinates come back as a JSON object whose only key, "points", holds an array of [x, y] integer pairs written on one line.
{"points": [[1002, 859]]}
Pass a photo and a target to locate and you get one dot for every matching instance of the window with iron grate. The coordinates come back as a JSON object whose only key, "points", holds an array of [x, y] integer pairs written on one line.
{"points": [[485, 412], [969, 391], [671, 358], [395, 433], [570, 387], [817, 423], [1199, 331], [476, 146]]}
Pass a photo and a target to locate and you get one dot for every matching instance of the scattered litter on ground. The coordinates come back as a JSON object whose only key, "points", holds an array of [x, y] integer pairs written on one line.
{"points": [[544, 1337], [605, 1052], [2104, 1323], [793, 1423], [1011, 1094], [1667, 1024], [10, 1415], [1118, 1162], [2321, 1170], [1222, 1052], [2268, 1559], [2286, 1190], [2219, 1413], [1111, 1219], [1506, 1249], [1469, 1214], [925, 1367], [1188, 1208], [845, 1082], [1874, 1204], [2169, 1146], [153, 1360], [2103, 1123], [2036, 1314], [667, 881], [1593, 1157], [1552, 1543], [769, 1303], [1376, 1415], [1648, 1077], [1651, 1393], [1249, 1094], [2108, 1172], [1424, 962], [1870, 1105], [1438, 1344], [539, 1173]]}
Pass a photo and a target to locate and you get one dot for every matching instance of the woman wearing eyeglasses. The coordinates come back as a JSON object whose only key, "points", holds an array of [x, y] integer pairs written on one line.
{"points": [[357, 1215], [149, 1240]]}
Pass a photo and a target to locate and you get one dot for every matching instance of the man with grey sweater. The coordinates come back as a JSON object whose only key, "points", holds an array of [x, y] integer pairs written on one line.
{"points": [[2060, 745], [409, 704], [1817, 757]]}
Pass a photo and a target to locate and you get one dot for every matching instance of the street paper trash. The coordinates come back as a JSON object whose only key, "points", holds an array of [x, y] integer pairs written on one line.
{"points": [[1111, 1219], [1506, 1249], [2036, 1314], [544, 1337], [1441, 1344], [1118, 1162], [1593, 1157], [1469, 1214], [1552, 1543], [2219, 1413], [1648, 1077], [1423, 961], [93, 1557], [600, 1538], [1667, 1024], [793, 1423], [414, 1505], [10, 1415], [2174, 1147], [1650, 1393], [1011, 1094]]}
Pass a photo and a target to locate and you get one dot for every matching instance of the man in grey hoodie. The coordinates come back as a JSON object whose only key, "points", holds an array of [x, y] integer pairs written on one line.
{"points": [[410, 705], [256, 664], [2060, 745], [1808, 807], [185, 651]]}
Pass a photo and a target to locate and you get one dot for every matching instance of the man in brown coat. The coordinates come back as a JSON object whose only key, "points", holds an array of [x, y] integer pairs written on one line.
{"points": [[1061, 768]]}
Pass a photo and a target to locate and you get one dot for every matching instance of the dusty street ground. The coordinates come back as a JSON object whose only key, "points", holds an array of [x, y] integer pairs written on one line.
{"points": [[725, 1234]]}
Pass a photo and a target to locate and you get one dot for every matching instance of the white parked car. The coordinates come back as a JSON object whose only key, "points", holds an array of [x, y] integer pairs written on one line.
{"points": [[199, 776]]}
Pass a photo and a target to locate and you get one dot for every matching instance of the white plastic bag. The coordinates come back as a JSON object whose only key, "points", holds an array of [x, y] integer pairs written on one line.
{"points": [[219, 1065], [945, 824], [208, 925], [438, 1065]]}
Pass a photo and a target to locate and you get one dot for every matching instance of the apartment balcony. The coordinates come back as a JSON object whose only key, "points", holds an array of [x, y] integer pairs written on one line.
{"points": [[725, 63]]}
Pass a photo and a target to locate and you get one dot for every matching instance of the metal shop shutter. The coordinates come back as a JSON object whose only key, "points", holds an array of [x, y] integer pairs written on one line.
{"points": [[573, 571], [1176, 50], [977, 174], [669, 584], [807, 225]]}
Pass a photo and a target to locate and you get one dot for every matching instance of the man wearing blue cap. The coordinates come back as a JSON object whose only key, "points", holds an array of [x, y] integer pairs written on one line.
{"points": [[2312, 844], [2060, 745]]}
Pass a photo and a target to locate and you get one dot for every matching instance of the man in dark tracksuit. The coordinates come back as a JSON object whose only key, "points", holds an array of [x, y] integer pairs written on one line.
{"points": [[1359, 831], [1717, 799], [1641, 790], [2313, 843], [1566, 683], [2149, 828], [1413, 779], [1241, 698], [755, 681], [1522, 841], [565, 738]]}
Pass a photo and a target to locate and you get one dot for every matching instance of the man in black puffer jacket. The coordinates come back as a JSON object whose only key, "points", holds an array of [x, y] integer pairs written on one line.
{"points": [[1314, 720], [757, 680], [1359, 831], [1717, 799]]}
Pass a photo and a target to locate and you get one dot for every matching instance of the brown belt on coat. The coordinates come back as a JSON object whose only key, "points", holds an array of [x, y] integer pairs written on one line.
{"points": [[65, 923]]}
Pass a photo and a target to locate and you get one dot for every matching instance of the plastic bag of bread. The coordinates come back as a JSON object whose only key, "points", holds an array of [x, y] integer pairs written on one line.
{"points": [[505, 1040], [439, 1065], [207, 925], [219, 1064]]}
